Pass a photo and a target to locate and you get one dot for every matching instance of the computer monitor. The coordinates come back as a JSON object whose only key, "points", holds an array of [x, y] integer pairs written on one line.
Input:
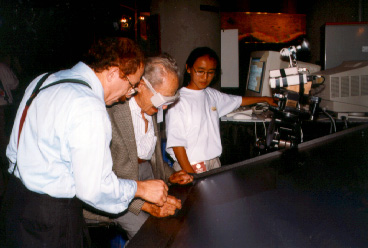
{"points": [[260, 65], [344, 42], [345, 90]]}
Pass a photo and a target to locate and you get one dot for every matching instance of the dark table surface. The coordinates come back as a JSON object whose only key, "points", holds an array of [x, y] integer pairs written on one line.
{"points": [[313, 196]]}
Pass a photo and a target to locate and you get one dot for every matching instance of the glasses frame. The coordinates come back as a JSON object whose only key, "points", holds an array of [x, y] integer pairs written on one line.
{"points": [[209, 73], [159, 100], [133, 90]]}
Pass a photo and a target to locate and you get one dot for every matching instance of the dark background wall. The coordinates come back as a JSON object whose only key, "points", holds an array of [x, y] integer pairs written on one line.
{"points": [[50, 35], [318, 13]]}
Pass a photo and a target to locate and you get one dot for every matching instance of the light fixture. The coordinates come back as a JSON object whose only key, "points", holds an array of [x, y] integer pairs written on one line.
{"points": [[125, 22]]}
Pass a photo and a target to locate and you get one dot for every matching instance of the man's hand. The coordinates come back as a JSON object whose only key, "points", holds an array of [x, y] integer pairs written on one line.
{"points": [[167, 209], [181, 177], [154, 191]]}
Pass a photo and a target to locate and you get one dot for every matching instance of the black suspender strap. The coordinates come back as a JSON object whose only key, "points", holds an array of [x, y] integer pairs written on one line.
{"points": [[38, 88], [29, 101], [35, 92]]}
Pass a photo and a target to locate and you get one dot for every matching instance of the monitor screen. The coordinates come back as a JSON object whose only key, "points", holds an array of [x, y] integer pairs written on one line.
{"points": [[255, 75], [260, 65]]}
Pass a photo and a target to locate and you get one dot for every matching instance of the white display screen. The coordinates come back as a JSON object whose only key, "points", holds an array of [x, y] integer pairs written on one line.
{"points": [[255, 75]]}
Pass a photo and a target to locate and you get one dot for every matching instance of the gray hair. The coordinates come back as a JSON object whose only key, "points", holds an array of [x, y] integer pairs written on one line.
{"points": [[156, 68]]}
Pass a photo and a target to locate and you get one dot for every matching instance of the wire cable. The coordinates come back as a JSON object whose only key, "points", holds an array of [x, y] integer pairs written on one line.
{"points": [[333, 124]]}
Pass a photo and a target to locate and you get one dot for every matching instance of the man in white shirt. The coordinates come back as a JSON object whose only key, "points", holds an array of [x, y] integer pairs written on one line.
{"points": [[62, 154], [136, 141]]}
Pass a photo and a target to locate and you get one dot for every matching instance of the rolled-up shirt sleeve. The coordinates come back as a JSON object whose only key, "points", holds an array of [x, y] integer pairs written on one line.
{"points": [[95, 183]]}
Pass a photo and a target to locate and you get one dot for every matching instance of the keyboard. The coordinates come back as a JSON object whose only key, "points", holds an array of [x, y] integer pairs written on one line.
{"points": [[242, 110]]}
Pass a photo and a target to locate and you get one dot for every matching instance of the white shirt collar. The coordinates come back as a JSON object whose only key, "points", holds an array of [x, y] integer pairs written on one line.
{"points": [[146, 142], [90, 76]]}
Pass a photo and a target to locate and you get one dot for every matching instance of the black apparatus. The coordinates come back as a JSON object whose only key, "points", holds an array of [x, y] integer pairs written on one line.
{"points": [[294, 106]]}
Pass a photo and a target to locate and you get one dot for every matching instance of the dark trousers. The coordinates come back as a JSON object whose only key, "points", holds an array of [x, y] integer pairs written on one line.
{"points": [[33, 220]]}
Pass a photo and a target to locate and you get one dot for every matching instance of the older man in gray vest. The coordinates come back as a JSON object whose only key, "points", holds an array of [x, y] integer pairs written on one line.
{"points": [[136, 141]]}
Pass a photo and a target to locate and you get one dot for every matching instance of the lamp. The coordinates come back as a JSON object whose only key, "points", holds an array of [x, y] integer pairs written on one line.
{"points": [[292, 51]]}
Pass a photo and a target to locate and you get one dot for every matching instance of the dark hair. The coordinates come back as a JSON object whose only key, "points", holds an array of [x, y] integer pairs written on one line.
{"points": [[158, 67], [115, 51], [194, 55]]}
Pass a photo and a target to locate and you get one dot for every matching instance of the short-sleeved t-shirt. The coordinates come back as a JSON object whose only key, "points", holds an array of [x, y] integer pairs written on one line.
{"points": [[193, 122]]}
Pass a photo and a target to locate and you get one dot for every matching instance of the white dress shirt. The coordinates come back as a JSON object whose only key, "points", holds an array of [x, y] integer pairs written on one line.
{"points": [[193, 122], [146, 141], [64, 145]]}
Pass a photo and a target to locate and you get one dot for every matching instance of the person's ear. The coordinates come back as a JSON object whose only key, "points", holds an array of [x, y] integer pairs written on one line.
{"points": [[112, 73], [187, 68], [140, 85]]}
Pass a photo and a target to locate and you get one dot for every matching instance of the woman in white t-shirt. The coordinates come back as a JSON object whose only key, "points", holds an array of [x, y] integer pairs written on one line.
{"points": [[192, 124]]}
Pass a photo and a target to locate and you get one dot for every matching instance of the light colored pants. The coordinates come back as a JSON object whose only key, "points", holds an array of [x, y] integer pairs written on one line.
{"points": [[130, 222], [210, 164]]}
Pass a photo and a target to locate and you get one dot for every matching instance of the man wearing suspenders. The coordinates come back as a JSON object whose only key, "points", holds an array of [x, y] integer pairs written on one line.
{"points": [[59, 151]]}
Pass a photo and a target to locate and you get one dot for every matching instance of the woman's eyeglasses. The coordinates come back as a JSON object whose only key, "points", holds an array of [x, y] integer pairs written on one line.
{"points": [[202, 73]]}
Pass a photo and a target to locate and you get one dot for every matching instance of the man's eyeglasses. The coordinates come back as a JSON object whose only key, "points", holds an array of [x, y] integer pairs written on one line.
{"points": [[133, 90], [202, 73], [159, 100]]}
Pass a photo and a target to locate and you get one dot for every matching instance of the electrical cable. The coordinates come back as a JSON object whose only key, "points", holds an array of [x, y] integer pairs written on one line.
{"points": [[255, 131], [333, 124], [301, 135]]}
